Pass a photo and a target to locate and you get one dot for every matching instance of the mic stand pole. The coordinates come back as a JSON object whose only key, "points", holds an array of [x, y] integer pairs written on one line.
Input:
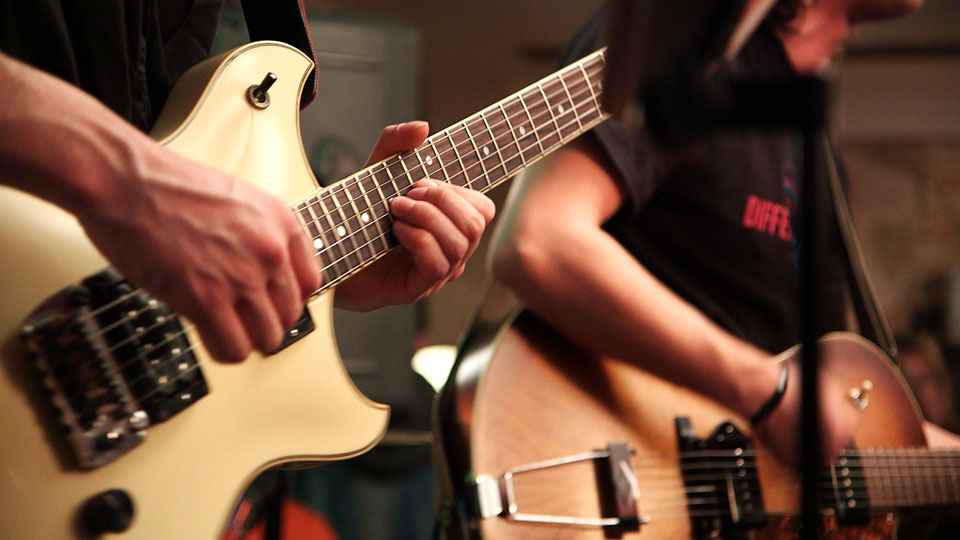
{"points": [[685, 102]]}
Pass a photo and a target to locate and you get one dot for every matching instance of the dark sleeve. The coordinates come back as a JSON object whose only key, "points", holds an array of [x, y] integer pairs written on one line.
{"points": [[633, 156]]}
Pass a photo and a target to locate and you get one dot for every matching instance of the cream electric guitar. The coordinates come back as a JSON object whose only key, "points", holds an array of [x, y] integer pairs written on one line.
{"points": [[134, 431], [543, 440]]}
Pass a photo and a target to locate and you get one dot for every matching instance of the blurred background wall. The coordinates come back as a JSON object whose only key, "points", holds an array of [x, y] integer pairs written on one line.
{"points": [[896, 116]]}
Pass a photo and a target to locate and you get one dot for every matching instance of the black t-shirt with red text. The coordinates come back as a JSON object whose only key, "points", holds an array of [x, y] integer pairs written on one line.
{"points": [[715, 218]]}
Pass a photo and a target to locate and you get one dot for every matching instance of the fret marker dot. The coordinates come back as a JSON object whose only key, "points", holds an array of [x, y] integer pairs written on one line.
{"points": [[341, 230], [523, 131], [429, 160], [364, 217], [486, 150], [560, 109], [317, 243]]}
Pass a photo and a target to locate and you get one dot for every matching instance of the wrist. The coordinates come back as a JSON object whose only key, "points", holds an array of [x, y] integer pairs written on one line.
{"points": [[773, 401]]}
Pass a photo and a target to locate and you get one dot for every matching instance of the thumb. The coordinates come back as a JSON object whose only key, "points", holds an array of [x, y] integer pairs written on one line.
{"points": [[398, 138]]}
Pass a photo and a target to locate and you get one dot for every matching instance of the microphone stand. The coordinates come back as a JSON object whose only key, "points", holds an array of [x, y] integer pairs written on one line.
{"points": [[683, 102]]}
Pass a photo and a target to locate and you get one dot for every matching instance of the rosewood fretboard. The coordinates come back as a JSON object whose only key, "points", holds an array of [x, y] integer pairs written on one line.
{"points": [[349, 222]]}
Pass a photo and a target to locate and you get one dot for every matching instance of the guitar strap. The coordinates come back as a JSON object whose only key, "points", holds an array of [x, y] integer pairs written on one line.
{"points": [[286, 21], [873, 324]]}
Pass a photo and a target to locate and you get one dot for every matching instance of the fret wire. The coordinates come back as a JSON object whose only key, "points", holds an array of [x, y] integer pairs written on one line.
{"points": [[469, 158], [335, 243], [346, 224], [586, 79], [476, 150], [426, 172], [326, 241], [572, 103], [532, 124], [436, 154], [406, 172], [568, 121], [511, 146], [549, 107], [309, 221], [376, 218], [398, 174], [493, 138], [389, 186], [383, 196], [411, 154], [361, 224], [485, 139], [456, 152], [516, 141]]}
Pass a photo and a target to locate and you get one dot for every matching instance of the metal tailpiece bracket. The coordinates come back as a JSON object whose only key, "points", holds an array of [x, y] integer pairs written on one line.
{"points": [[498, 498]]}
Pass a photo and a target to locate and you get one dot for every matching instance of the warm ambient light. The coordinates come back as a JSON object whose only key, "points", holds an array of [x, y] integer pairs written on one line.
{"points": [[433, 363]]}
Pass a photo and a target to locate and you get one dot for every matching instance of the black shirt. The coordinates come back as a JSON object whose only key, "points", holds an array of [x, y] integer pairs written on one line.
{"points": [[126, 53], [715, 218]]}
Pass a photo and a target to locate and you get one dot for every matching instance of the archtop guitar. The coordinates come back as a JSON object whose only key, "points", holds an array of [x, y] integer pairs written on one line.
{"points": [[543, 440]]}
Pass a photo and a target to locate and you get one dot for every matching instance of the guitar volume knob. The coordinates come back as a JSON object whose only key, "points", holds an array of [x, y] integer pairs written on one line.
{"points": [[108, 512]]}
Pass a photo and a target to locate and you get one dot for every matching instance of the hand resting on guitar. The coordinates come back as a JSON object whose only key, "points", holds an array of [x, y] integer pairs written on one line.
{"points": [[219, 251]]}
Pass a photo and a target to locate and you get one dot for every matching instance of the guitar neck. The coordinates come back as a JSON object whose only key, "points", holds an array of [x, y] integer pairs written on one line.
{"points": [[349, 223], [898, 478]]}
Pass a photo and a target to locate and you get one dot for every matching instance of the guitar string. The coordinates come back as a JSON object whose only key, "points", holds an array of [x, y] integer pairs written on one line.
{"points": [[471, 151], [382, 164], [382, 235], [134, 313], [500, 107]]}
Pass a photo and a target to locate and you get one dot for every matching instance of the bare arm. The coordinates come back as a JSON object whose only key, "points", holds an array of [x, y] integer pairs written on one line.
{"points": [[229, 257]]}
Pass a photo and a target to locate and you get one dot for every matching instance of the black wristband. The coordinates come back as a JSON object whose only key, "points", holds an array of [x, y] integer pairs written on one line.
{"points": [[764, 411]]}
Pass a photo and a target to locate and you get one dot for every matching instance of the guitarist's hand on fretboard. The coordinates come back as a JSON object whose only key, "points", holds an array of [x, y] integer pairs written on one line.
{"points": [[437, 226]]}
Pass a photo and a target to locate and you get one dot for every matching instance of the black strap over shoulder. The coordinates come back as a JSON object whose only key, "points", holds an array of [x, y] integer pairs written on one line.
{"points": [[286, 21], [873, 324]]}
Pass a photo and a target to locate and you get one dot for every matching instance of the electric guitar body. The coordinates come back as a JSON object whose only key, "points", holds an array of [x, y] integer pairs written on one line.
{"points": [[299, 405], [529, 424], [115, 421]]}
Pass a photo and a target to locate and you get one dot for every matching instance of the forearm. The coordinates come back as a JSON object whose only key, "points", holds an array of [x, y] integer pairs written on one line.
{"points": [[565, 268], [59, 143], [596, 294]]}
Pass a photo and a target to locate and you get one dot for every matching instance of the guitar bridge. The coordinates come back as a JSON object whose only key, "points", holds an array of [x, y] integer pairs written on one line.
{"points": [[114, 360]]}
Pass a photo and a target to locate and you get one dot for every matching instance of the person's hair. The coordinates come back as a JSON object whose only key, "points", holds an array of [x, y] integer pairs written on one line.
{"points": [[783, 12]]}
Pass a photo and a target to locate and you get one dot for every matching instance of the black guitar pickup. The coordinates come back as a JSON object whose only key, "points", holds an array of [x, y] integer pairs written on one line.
{"points": [[721, 480]]}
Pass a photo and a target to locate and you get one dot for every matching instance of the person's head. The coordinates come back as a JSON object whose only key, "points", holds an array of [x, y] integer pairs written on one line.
{"points": [[785, 11], [813, 31], [866, 10]]}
